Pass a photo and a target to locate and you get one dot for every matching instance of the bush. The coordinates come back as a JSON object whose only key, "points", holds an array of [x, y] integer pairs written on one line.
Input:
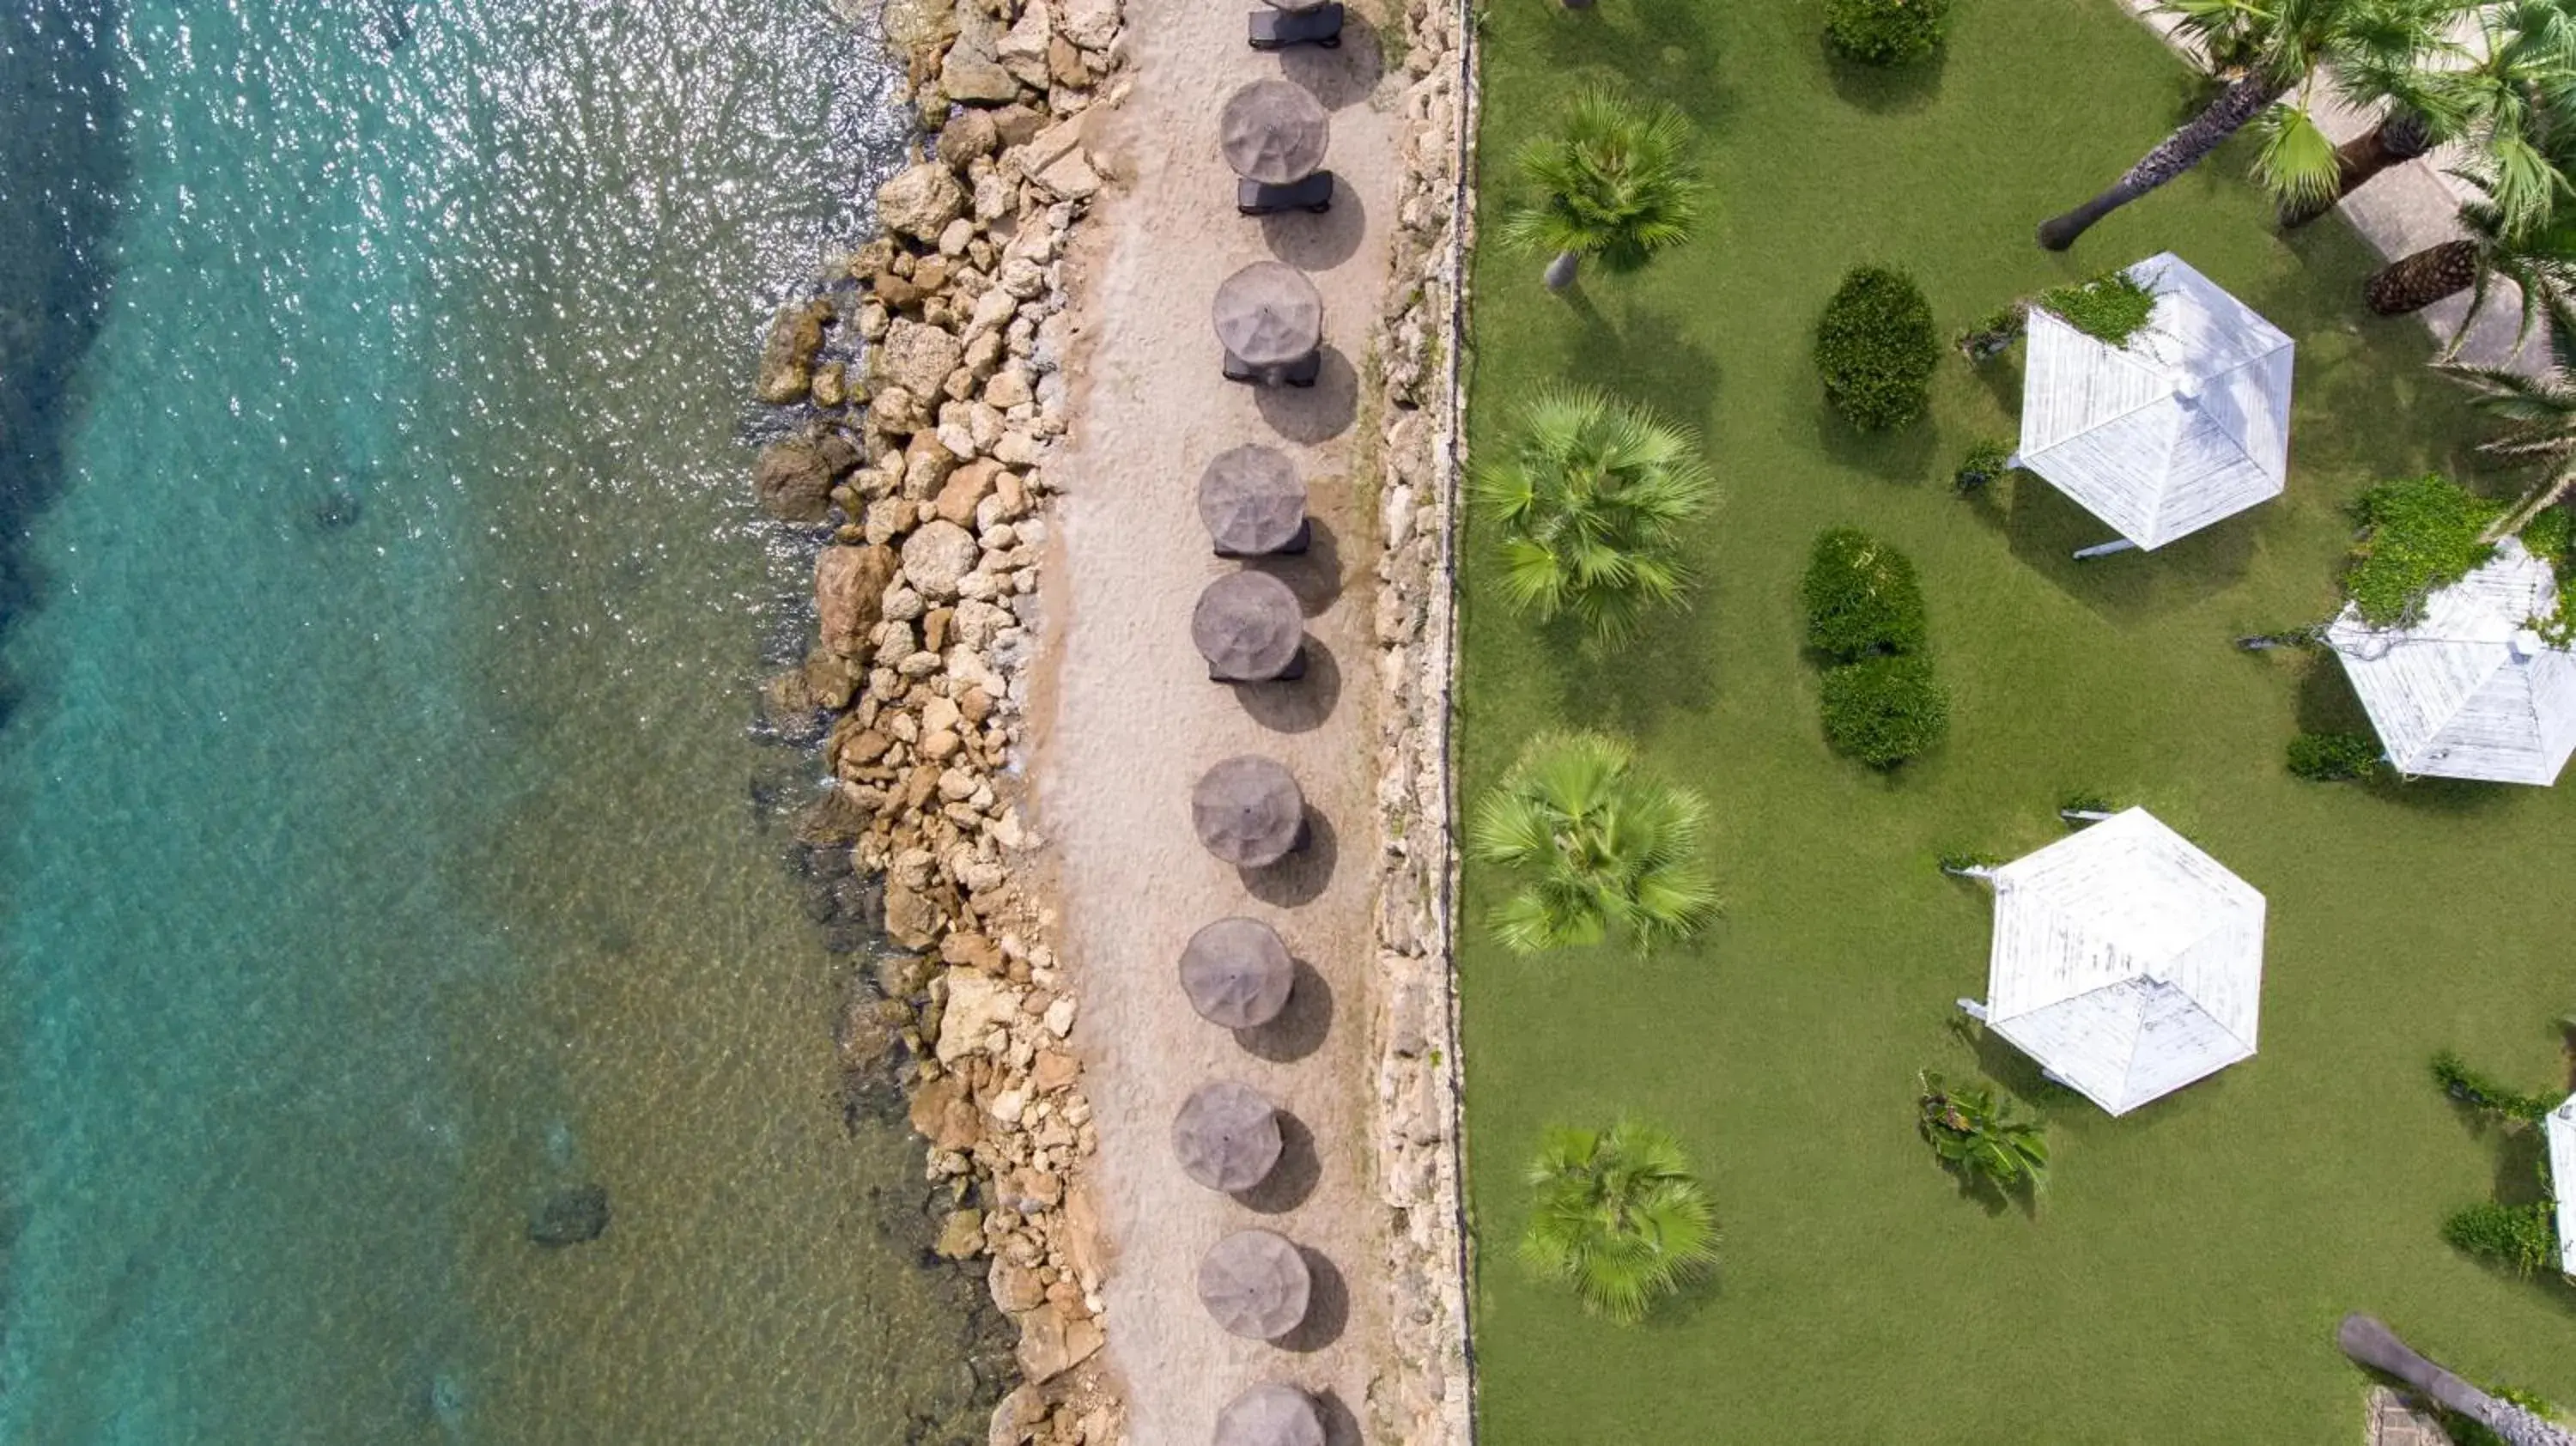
{"points": [[2477, 1091], [2334, 757], [1886, 32], [2110, 308], [1983, 463], [1884, 710], [1861, 598], [1994, 333], [2518, 1237], [2418, 536], [1875, 348]]}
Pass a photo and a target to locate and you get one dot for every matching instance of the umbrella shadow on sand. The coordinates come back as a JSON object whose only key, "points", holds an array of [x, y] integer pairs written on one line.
{"points": [[1296, 705], [1312, 242], [1318, 413], [1328, 1306], [1304, 874], [1300, 1027], [1293, 1178], [1343, 76], [1314, 575]]}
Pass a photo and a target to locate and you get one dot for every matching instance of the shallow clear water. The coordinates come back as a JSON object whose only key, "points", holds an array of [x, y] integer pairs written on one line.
{"points": [[382, 844]]}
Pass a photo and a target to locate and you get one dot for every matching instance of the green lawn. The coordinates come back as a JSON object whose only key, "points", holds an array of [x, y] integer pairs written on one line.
{"points": [[2182, 1283]]}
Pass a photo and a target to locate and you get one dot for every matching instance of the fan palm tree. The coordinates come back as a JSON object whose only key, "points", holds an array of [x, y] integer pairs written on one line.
{"points": [[2501, 93], [1613, 182], [2264, 48], [2538, 259], [1592, 494], [1618, 1215], [1983, 1139], [2537, 414], [1604, 850]]}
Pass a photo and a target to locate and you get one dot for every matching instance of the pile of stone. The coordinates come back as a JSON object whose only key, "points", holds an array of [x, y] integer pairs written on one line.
{"points": [[926, 462]]}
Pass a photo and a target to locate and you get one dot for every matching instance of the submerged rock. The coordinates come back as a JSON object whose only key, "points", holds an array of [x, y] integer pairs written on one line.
{"points": [[570, 1216]]}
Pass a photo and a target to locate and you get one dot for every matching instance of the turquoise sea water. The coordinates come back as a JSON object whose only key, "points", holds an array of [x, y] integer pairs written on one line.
{"points": [[385, 846]]}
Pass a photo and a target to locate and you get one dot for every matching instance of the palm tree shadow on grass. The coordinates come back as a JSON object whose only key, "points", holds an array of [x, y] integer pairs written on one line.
{"points": [[1660, 49], [1644, 356], [1630, 686]]}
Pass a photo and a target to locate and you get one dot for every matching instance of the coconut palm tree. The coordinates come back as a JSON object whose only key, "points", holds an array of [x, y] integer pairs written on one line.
{"points": [[2264, 48], [2537, 414], [1613, 182], [1984, 1139], [1618, 1215], [1591, 495], [1602, 849], [2539, 259], [2373, 1344], [2501, 92]]}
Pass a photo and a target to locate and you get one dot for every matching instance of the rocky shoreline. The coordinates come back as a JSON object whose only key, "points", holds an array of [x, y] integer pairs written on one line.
{"points": [[926, 465], [929, 467]]}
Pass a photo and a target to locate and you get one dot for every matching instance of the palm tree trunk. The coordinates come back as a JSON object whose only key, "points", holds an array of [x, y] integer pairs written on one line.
{"points": [[1560, 272], [2398, 138], [2375, 1346], [2243, 99], [2414, 282]]}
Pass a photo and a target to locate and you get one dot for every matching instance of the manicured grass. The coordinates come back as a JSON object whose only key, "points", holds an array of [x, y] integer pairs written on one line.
{"points": [[2182, 1282]]}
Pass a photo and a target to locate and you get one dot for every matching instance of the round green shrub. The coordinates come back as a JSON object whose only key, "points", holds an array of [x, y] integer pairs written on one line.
{"points": [[1886, 32], [1885, 710], [1861, 597], [2334, 757], [1875, 348]]}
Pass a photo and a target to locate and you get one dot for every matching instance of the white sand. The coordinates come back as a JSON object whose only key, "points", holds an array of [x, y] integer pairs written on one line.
{"points": [[1126, 719]]}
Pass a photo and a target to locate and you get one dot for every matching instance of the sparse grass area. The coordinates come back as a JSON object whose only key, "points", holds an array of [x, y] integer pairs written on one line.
{"points": [[2182, 1280]]}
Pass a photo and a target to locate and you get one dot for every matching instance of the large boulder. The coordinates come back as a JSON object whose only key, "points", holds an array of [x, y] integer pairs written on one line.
{"points": [[968, 134], [978, 1004], [849, 594], [938, 556], [917, 357], [1052, 1343], [793, 479], [920, 201], [787, 359], [570, 1216], [973, 71], [1022, 50]]}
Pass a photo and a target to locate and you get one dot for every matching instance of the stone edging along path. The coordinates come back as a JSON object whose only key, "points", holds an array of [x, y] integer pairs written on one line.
{"points": [[931, 461]]}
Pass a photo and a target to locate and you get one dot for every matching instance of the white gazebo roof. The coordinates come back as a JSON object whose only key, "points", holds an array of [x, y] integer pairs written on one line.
{"points": [[2560, 1126], [2469, 690], [2127, 962], [2188, 423]]}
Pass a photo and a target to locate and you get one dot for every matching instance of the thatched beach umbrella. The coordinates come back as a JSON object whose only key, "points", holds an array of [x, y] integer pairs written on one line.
{"points": [[1255, 1284], [1268, 314], [1226, 1136], [1248, 626], [1273, 132], [1270, 1415], [1248, 811], [1237, 973], [1252, 500]]}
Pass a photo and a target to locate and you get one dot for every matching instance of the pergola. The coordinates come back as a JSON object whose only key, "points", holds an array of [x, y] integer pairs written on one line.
{"points": [[2468, 690], [2187, 423], [2127, 962], [2560, 1127]]}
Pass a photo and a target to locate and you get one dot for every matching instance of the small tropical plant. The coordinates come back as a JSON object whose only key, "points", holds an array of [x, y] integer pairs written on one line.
{"points": [[1982, 464], [1591, 495], [1602, 850], [1987, 1141], [1875, 348], [1618, 1215], [1993, 333], [2334, 757], [2418, 535], [1884, 710], [1614, 181], [2264, 49], [1861, 597], [1886, 32]]}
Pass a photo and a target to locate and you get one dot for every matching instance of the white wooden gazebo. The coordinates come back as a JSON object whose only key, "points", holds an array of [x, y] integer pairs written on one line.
{"points": [[2560, 1126], [2469, 690], [2127, 962], [2187, 423]]}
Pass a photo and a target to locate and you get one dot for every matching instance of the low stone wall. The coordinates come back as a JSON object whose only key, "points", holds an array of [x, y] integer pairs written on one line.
{"points": [[929, 464], [1429, 1395]]}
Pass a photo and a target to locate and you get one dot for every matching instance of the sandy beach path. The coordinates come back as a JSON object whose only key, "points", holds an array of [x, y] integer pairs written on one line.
{"points": [[1126, 719]]}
